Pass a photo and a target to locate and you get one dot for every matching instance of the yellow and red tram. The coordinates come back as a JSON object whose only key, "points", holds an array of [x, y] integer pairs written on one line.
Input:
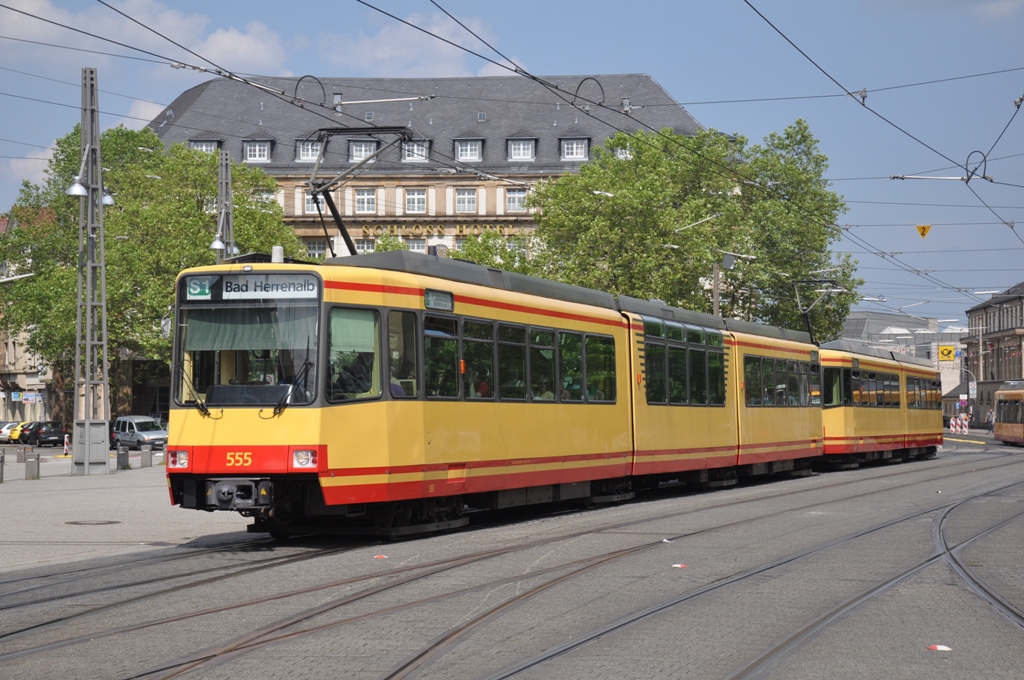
{"points": [[391, 390], [877, 404], [1008, 426]]}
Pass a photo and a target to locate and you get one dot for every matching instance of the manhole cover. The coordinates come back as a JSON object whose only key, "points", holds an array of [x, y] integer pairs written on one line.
{"points": [[93, 522]]}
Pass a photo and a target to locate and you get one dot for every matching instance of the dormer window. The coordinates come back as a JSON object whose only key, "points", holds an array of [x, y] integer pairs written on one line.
{"points": [[256, 151], [360, 150], [469, 149], [415, 151], [207, 145], [521, 149], [575, 149], [306, 151]]}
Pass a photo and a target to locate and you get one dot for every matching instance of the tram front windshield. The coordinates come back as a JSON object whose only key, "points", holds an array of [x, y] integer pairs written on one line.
{"points": [[248, 354]]}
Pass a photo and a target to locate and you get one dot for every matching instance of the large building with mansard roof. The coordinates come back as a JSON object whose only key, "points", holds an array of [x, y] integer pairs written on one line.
{"points": [[474, 148]]}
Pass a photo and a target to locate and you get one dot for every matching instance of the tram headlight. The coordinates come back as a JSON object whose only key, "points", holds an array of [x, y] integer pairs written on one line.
{"points": [[177, 459], [304, 458]]}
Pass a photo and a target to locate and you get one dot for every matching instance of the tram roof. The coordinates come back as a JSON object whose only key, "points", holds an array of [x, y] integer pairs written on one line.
{"points": [[864, 349], [468, 272]]}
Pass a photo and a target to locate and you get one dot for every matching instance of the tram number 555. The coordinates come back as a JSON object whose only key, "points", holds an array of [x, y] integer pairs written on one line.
{"points": [[239, 459]]}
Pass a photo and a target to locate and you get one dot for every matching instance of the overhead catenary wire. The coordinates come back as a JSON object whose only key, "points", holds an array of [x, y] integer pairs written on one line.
{"points": [[634, 119], [732, 172], [886, 120]]}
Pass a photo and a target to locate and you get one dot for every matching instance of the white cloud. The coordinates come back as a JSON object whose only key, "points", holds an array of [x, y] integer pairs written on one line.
{"points": [[140, 113], [397, 50], [31, 168], [257, 49]]}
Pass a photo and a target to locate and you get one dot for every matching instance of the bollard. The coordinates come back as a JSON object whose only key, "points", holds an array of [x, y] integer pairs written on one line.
{"points": [[147, 455], [32, 466], [19, 454], [122, 457], [2, 456]]}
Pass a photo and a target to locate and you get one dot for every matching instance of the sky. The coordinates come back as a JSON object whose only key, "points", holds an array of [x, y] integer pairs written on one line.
{"points": [[942, 82]]}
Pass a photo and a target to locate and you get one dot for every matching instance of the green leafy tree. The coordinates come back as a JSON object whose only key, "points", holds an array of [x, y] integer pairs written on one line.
{"points": [[163, 220], [635, 221], [387, 243], [491, 249]]}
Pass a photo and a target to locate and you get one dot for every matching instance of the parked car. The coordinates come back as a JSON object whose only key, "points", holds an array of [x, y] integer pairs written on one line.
{"points": [[45, 433], [134, 431], [16, 431], [5, 431]]}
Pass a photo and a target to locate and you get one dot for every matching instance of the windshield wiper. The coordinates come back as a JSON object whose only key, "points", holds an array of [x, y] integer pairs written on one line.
{"points": [[192, 388], [282, 404], [300, 378]]}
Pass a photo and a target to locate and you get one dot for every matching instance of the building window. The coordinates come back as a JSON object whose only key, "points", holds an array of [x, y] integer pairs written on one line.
{"points": [[307, 151], [416, 200], [358, 151], [417, 245], [623, 154], [465, 200], [574, 149], [365, 245], [515, 200], [414, 152], [317, 248], [520, 150], [256, 152], [311, 204], [202, 145], [460, 243], [468, 149], [366, 200]]}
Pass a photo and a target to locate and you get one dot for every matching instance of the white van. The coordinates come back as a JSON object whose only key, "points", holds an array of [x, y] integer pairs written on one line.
{"points": [[134, 431]]}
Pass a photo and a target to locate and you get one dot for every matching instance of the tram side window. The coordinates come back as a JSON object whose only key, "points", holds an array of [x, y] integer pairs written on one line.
{"points": [[804, 383], [599, 367], [856, 388], [677, 393], [570, 365], [698, 376], [403, 331], [815, 384], [716, 378], [542, 365], [792, 383], [831, 387], [752, 380], [354, 355], [654, 361], [478, 353], [441, 357], [511, 362], [896, 391], [768, 381]]}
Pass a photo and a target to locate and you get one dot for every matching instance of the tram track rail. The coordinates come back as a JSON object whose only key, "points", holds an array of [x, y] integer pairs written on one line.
{"points": [[276, 632], [762, 664]]}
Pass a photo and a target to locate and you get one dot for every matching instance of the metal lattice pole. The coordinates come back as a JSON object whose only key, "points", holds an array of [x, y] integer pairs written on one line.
{"points": [[92, 384], [225, 199]]}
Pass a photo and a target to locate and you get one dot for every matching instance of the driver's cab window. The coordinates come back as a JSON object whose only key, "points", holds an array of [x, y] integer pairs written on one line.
{"points": [[354, 355]]}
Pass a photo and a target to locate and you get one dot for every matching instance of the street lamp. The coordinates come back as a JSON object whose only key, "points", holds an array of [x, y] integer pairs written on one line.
{"points": [[728, 261]]}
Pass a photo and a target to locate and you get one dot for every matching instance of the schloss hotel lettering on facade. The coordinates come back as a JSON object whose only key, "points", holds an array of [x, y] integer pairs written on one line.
{"points": [[477, 146]]}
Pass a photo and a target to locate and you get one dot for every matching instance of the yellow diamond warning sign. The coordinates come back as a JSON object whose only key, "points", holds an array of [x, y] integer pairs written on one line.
{"points": [[923, 229]]}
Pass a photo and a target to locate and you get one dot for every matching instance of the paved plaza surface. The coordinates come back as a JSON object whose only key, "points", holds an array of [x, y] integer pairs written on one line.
{"points": [[724, 579], [61, 518]]}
